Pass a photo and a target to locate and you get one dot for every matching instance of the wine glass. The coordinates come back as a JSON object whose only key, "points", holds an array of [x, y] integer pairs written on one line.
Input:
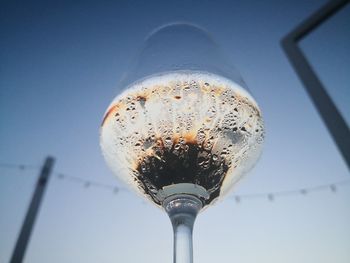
{"points": [[184, 130]]}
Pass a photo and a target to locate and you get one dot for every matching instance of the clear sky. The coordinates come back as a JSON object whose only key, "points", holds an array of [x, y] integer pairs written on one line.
{"points": [[60, 64]]}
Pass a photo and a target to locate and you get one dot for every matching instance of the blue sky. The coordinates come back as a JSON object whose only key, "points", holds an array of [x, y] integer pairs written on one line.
{"points": [[60, 64]]}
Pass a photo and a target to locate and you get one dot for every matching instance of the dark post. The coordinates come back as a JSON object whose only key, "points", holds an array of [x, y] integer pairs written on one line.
{"points": [[23, 238], [324, 104]]}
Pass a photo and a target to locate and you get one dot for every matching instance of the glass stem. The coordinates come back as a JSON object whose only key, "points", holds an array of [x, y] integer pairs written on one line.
{"points": [[182, 211]]}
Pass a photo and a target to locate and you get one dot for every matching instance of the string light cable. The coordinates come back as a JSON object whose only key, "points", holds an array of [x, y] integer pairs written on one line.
{"points": [[270, 196]]}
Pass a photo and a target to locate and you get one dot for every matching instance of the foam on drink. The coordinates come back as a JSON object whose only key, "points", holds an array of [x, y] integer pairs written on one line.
{"points": [[182, 128]]}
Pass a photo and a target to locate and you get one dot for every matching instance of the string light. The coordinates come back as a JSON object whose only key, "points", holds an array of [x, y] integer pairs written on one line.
{"points": [[271, 196], [87, 183], [19, 166], [333, 188], [238, 199], [303, 191]]}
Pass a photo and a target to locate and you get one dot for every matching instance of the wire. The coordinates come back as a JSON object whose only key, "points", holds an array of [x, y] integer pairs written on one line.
{"points": [[299, 191], [87, 183], [19, 166], [271, 196]]}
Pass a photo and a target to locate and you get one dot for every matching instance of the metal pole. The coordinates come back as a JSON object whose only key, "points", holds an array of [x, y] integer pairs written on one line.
{"points": [[324, 104], [24, 236]]}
